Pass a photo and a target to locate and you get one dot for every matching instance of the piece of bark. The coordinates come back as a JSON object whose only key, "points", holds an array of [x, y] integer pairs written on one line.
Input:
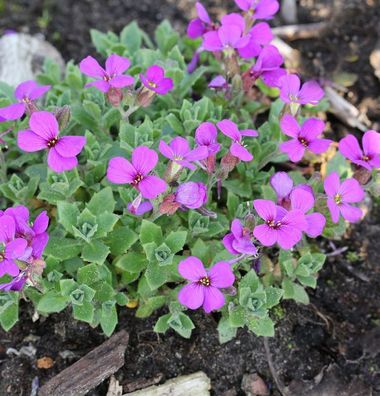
{"points": [[142, 383], [345, 111], [298, 32], [90, 370], [22, 57], [197, 384], [114, 388]]}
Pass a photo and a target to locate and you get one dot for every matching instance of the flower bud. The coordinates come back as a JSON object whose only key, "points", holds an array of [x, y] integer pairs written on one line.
{"points": [[115, 96], [145, 97], [192, 195], [362, 175], [169, 205], [63, 115]]}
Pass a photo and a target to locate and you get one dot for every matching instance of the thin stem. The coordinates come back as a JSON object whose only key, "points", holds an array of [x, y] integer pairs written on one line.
{"points": [[3, 168]]}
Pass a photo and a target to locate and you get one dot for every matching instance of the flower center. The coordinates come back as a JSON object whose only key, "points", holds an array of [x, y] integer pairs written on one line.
{"points": [[2, 256], [138, 178], [152, 84], [205, 281], [274, 224], [303, 141], [51, 143], [366, 158], [338, 199]]}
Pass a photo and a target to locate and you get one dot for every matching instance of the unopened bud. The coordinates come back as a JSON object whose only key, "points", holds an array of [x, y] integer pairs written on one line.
{"points": [[362, 175], [250, 221], [63, 115], [169, 205], [145, 97], [115, 96], [227, 164]]}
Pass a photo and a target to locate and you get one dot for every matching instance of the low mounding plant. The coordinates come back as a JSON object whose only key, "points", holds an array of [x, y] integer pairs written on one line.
{"points": [[199, 180]]}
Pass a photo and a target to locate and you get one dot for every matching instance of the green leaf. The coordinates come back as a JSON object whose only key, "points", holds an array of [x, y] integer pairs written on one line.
{"points": [[105, 222], [225, 331], [149, 306], [165, 36], [131, 262], [52, 302], [88, 274], [108, 317], [9, 312], [68, 214], [150, 232], [294, 291], [175, 240], [95, 252], [182, 324], [84, 312], [262, 327], [62, 248], [120, 240], [162, 324], [131, 37], [103, 201]]}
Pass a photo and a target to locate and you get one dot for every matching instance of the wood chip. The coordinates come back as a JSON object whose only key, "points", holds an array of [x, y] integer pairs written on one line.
{"points": [[90, 370], [302, 31], [114, 388], [197, 384], [45, 362]]}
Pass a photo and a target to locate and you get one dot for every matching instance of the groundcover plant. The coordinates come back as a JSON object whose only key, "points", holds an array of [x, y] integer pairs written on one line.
{"points": [[178, 173]]}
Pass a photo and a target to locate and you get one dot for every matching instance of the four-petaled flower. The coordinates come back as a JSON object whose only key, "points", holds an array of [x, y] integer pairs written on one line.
{"points": [[13, 248], [341, 196], [137, 173], [110, 77], [206, 136], [26, 93], [305, 137], [259, 36], [304, 201], [203, 289], [178, 151], [281, 226], [259, 9], [239, 240], [155, 80], [44, 134], [191, 195], [369, 157], [292, 92], [199, 26], [237, 148]]}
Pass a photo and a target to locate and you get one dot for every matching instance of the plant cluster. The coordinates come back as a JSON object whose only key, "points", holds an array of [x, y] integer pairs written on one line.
{"points": [[199, 180]]}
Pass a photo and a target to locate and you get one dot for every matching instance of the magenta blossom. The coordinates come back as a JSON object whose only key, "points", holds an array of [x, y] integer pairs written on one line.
{"points": [[228, 37], [304, 201], [218, 82], [13, 248], [137, 173], [239, 240], [283, 186], [281, 226], [292, 92], [199, 26], [237, 148], [26, 93], [206, 136], [268, 66], [43, 134], [155, 80], [203, 289], [178, 151], [141, 209], [369, 157], [110, 77], [259, 36], [259, 9], [191, 195], [305, 137], [34, 234], [16, 284], [341, 196]]}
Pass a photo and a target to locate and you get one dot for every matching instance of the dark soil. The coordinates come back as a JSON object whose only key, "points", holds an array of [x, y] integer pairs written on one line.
{"points": [[328, 348]]}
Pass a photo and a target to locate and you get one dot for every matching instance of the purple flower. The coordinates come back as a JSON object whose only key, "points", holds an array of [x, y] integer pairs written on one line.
{"points": [[218, 82], [26, 93], [239, 240], [228, 37], [259, 36], [43, 134], [304, 137], [340, 196], [292, 92], [191, 195], [259, 9], [141, 209], [281, 226], [203, 289], [178, 151], [137, 173], [13, 248], [369, 157], [206, 136], [16, 284], [155, 80], [199, 26], [110, 77], [268, 66], [303, 200], [237, 148]]}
